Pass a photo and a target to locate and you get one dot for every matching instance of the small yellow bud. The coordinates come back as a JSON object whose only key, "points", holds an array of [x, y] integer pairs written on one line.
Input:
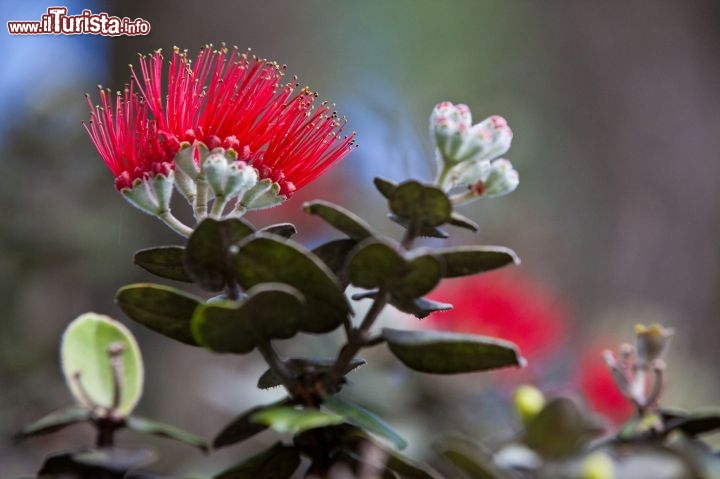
{"points": [[597, 465], [651, 342], [528, 401]]}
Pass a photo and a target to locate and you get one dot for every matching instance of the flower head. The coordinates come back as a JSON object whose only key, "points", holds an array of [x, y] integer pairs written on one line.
{"points": [[233, 100]]}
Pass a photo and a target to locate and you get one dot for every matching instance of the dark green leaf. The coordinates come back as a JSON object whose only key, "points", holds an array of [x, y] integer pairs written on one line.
{"points": [[334, 254], [164, 309], [55, 421], [421, 277], [164, 261], [560, 429], [442, 352], [278, 462], [289, 420], [456, 219], [156, 428], [297, 366], [265, 258], [470, 466], [425, 230], [115, 458], [270, 311], [691, 424], [406, 468], [385, 187], [420, 204], [71, 465], [286, 230], [207, 255], [467, 260], [342, 219], [242, 427], [364, 419], [419, 307], [379, 265]]}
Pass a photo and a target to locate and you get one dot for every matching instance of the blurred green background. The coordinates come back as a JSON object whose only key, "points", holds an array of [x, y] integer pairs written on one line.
{"points": [[616, 115]]}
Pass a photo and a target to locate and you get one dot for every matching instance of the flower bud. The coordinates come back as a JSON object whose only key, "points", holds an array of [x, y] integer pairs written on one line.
{"points": [[151, 195], [528, 401], [448, 124], [227, 176], [597, 465], [501, 180], [190, 157], [651, 342]]}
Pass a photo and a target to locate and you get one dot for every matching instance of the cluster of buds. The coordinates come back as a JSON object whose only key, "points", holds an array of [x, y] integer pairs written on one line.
{"points": [[639, 370], [468, 155]]}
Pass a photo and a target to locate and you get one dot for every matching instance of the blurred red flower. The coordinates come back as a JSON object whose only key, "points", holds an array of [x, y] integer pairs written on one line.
{"points": [[597, 385], [505, 305]]}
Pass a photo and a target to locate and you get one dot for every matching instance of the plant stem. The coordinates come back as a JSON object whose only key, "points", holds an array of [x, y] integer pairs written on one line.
{"points": [[201, 199], [268, 352], [218, 206], [276, 364], [175, 224], [358, 338]]}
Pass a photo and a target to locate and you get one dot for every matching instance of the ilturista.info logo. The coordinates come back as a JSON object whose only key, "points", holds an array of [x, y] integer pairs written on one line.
{"points": [[57, 22]]}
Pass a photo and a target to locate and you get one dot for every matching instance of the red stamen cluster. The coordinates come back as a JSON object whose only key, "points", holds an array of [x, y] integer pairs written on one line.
{"points": [[129, 142], [226, 99]]}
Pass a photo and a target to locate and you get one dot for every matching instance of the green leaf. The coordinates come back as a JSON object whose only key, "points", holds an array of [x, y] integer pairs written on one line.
{"points": [[278, 462], [364, 419], [456, 219], [298, 366], [164, 309], [342, 219], [424, 230], [55, 421], [693, 424], [156, 428], [385, 187], [264, 258], [334, 254], [419, 307], [207, 255], [420, 204], [286, 230], [379, 265], [164, 261], [442, 352], [467, 260], [85, 360], [115, 458], [270, 311], [242, 427], [288, 420], [560, 429], [106, 463], [409, 469], [470, 458]]}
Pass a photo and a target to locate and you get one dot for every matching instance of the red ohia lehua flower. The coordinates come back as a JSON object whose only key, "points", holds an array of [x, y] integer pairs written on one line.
{"points": [[231, 100], [227, 121]]}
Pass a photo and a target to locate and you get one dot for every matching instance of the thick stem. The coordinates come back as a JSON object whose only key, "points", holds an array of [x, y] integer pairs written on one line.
{"points": [[175, 224], [411, 233], [105, 433]]}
